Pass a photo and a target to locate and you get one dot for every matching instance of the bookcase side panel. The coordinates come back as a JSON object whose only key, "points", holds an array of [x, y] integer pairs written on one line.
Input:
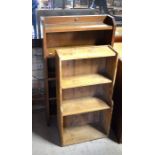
{"points": [[59, 97]]}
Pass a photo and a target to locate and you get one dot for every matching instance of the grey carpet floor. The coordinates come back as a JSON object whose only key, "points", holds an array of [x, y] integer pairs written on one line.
{"points": [[45, 141]]}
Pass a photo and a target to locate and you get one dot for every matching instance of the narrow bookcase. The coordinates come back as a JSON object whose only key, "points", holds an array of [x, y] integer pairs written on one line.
{"points": [[85, 79]]}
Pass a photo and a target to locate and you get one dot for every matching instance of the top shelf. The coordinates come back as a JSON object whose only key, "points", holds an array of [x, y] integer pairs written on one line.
{"points": [[74, 53], [50, 28]]}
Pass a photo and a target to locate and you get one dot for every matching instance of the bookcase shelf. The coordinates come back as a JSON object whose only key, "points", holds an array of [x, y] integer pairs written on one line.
{"points": [[84, 80], [50, 28], [83, 105], [78, 134], [84, 95], [90, 52]]}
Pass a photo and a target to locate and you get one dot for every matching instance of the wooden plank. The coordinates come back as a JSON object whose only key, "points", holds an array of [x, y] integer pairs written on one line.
{"points": [[83, 105], [83, 67], [75, 18], [118, 31], [86, 52], [118, 48], [84, 80], [118, 34], [80, 134], [59, 97], [50, 28], [106, 120]]}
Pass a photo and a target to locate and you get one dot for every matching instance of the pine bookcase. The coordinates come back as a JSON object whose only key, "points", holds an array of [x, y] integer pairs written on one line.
{"points": [[85, 80]]}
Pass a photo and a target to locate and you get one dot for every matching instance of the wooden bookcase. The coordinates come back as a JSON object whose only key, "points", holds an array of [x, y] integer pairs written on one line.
{"points": [[85, 79], [66, 31]]}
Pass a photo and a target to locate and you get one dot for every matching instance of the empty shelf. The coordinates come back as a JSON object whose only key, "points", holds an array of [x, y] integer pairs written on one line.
{"points": [[80, 134], [83, 105], [50, 28], [74, 53], [84, 80]]}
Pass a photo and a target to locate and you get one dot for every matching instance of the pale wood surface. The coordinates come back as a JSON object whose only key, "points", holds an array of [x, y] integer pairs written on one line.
{"points": [[84, 80], [76, 27], [83, 105], [118, 31], [80, 134], [52, 50], [85, 52], [118, 48], [75, 19]]}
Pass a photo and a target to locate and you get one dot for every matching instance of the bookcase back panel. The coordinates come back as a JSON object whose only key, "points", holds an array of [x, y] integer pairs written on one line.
{"points": [[96, 37], [82, 67], [102, 91], [99, 119], [82, 119]]}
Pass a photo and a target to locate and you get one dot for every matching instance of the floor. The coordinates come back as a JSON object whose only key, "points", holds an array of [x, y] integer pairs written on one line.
{"points": [[45, 141]]}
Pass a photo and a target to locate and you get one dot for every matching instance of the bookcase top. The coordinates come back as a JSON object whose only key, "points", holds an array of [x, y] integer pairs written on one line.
{"points": [[85, 52]]}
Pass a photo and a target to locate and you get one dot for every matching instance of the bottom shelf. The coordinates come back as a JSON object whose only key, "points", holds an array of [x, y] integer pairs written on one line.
{"points": [[78, 134]]}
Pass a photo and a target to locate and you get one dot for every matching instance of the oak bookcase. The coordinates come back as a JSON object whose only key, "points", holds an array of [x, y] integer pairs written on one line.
{"points": [[71, 31], [85, 79]]}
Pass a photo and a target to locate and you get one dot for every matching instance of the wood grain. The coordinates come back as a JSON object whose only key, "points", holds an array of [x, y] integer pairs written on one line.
{"points": [[76, 27], [83, 91], [72, 53], [80, 134], [84, 80], [83, 105]]}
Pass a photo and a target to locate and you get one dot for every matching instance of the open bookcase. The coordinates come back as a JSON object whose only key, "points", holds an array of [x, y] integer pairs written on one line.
{"points": [[85, 79], [61, 32]]}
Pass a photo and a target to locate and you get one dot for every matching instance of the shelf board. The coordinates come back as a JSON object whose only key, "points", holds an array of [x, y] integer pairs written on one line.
{"points": [[86, 52], [83, 105], [51, 28], [84, 80], [73, 135]]}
